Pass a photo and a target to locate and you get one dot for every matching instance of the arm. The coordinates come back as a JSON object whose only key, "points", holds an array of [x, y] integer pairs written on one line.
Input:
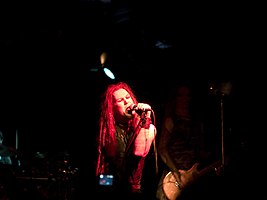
{"points": [[144, 140], [163, 148]]}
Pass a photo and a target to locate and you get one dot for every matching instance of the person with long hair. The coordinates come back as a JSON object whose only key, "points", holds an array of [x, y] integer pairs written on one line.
{"points": [[183, 148], [126, 134]]}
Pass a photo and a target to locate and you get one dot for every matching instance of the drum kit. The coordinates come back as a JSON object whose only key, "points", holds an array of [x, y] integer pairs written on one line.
{"points": [[5, 155], [50, 176]]}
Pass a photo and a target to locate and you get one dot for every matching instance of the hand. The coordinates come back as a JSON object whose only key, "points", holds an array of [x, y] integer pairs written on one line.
{"points": [[219, 170], [143, 107], [178, 182]]}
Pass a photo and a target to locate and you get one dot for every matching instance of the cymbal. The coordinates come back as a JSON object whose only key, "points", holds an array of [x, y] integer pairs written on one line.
{"points": [[40, 155], [6, 151]]}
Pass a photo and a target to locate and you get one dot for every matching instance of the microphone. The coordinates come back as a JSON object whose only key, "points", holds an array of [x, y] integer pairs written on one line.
{"points": [[137, 110]]}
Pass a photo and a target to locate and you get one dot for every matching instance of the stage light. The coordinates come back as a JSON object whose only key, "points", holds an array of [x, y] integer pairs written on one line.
{"points": [[102, 69], [109, 73]]}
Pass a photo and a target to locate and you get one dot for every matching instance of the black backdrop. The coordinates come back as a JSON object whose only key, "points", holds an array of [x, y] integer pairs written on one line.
{"points": [[50, 96]]}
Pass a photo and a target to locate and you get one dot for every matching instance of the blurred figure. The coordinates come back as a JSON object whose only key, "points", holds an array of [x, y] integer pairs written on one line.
{"points": [[181, 147], [125, 138], [5, 152], [7, 176]]}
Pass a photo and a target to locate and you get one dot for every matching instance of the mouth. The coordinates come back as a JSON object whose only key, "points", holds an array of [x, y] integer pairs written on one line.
{"points": [[128, 109], [131, 107]]}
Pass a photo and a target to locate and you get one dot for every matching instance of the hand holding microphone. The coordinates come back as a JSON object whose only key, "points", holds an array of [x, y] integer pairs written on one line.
{"points": [[139, 108]]}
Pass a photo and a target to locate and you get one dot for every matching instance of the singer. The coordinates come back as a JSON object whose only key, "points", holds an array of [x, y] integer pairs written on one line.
{"points": [[126, 134]]}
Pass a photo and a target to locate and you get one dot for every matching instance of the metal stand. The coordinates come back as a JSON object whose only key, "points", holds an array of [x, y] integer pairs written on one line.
{"points": [[225, 90], [222, 131]]}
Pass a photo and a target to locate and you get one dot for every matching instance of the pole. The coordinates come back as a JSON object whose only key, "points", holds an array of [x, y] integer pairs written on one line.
{"points": [[222, 132]]}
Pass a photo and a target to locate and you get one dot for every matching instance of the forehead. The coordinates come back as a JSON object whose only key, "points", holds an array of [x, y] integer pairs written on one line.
{"points": [[120, 93], [184, 91]]}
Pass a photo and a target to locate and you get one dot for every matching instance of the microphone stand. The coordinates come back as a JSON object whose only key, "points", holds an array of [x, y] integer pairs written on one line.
{"points": [[222, 131], [222, 91], [225, 89]]}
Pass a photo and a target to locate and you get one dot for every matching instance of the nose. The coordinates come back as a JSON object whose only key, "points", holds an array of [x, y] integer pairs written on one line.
{"points": [[125, 100]]}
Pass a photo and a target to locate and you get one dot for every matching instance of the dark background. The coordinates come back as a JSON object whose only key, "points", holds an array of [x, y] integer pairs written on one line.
{"points": [[50, 95]]}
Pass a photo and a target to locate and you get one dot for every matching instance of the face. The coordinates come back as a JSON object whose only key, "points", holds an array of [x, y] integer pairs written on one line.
{"points": [[122, 102], [183, 97]]}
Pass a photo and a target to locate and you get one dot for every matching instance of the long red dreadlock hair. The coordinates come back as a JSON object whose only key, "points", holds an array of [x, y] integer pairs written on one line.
{"points": [[107, 131]]}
